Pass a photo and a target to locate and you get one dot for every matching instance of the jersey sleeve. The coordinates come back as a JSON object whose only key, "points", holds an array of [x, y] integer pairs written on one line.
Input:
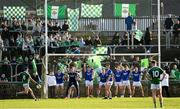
{"points": [[161, 71]]}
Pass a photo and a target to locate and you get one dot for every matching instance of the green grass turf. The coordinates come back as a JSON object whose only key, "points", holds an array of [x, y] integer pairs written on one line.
{"points": [[88, 103]]}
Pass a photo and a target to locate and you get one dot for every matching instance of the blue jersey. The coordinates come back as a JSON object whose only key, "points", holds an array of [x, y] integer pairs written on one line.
{"points": [[59, 77], [125, 75], [109, 73], [118, 75], [136, 76], [89, 75], [102, 77]]}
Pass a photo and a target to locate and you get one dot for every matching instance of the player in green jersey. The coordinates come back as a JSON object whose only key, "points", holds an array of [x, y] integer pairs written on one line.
{"points": [[155, 73], [26, 78]]}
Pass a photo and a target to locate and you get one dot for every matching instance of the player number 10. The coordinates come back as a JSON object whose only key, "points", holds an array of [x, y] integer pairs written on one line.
{"points": [[155, 73]]}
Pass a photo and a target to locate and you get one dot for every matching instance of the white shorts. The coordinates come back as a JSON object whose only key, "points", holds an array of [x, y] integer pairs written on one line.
{"points": [[126, 83], [109, 83], [155, 86], [102, 84], [88, 83], [62, 84], [118, 84], [137, 84], [26, 85]]}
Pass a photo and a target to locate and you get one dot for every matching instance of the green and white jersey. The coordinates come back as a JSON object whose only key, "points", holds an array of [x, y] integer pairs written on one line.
{"points": [[25, 77], [155, 73]]}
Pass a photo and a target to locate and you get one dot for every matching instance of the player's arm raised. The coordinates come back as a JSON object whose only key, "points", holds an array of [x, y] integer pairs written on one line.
{"points": [[16, 75], [164, 74]]}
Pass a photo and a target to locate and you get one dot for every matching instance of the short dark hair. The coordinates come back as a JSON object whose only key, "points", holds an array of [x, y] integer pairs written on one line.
{"points": [[25, 68], [153, 62]]}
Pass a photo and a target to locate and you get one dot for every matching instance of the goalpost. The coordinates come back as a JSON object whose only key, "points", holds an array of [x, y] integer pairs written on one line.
{"points": [[44, 91]]}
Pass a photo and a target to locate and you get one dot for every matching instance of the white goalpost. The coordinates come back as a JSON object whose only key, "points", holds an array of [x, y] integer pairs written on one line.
{"points": [[47, 55]]}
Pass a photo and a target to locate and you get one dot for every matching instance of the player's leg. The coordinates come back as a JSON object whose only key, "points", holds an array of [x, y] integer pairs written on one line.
{"points": [[32, 93], [120, 89], [133, 90], [68, 87], [123, 90], [106, 91], [116, 92], [87, 88], [91, 89], [22, 92], [61, 90], [160, 97], [99, 90], [26, 90], [109, 90], [129, 88], [154, 97], [77, 88], [69, 92], [142, 91], [153, 89], [167, 91], [57, 90], [72, 91]]}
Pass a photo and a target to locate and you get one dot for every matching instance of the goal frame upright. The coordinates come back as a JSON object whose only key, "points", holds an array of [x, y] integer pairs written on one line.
{"points": [[44, 92]]}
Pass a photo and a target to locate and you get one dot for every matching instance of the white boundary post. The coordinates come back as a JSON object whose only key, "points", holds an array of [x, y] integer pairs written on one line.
{"points": [[159, 34], [45, 87]]}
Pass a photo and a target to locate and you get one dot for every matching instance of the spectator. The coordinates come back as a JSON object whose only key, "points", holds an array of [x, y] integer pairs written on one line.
{"points": [[116, 39], [5, 36], [89, 41], [1, 48], [3, 78], [5, 68], [28, 45], [147, 39], [125, 39], [49, 27], [56, 28], [168, 25], [129, 21], [36, 30], [165, 85], [65, 26], [176, 32], [97, 41], [82, 42], [74, 42], [174, 72], [24, 26]]}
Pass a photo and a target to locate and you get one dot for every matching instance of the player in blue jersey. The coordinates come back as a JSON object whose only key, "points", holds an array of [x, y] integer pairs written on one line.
{"points": [[102, 81], [118, 79], [59, 83], [109, 82], [125, 80], [136, 76], [89, 80]]}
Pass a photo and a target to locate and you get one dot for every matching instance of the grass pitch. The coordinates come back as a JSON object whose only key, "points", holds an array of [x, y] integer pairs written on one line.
{"points": [[88, 103]]}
